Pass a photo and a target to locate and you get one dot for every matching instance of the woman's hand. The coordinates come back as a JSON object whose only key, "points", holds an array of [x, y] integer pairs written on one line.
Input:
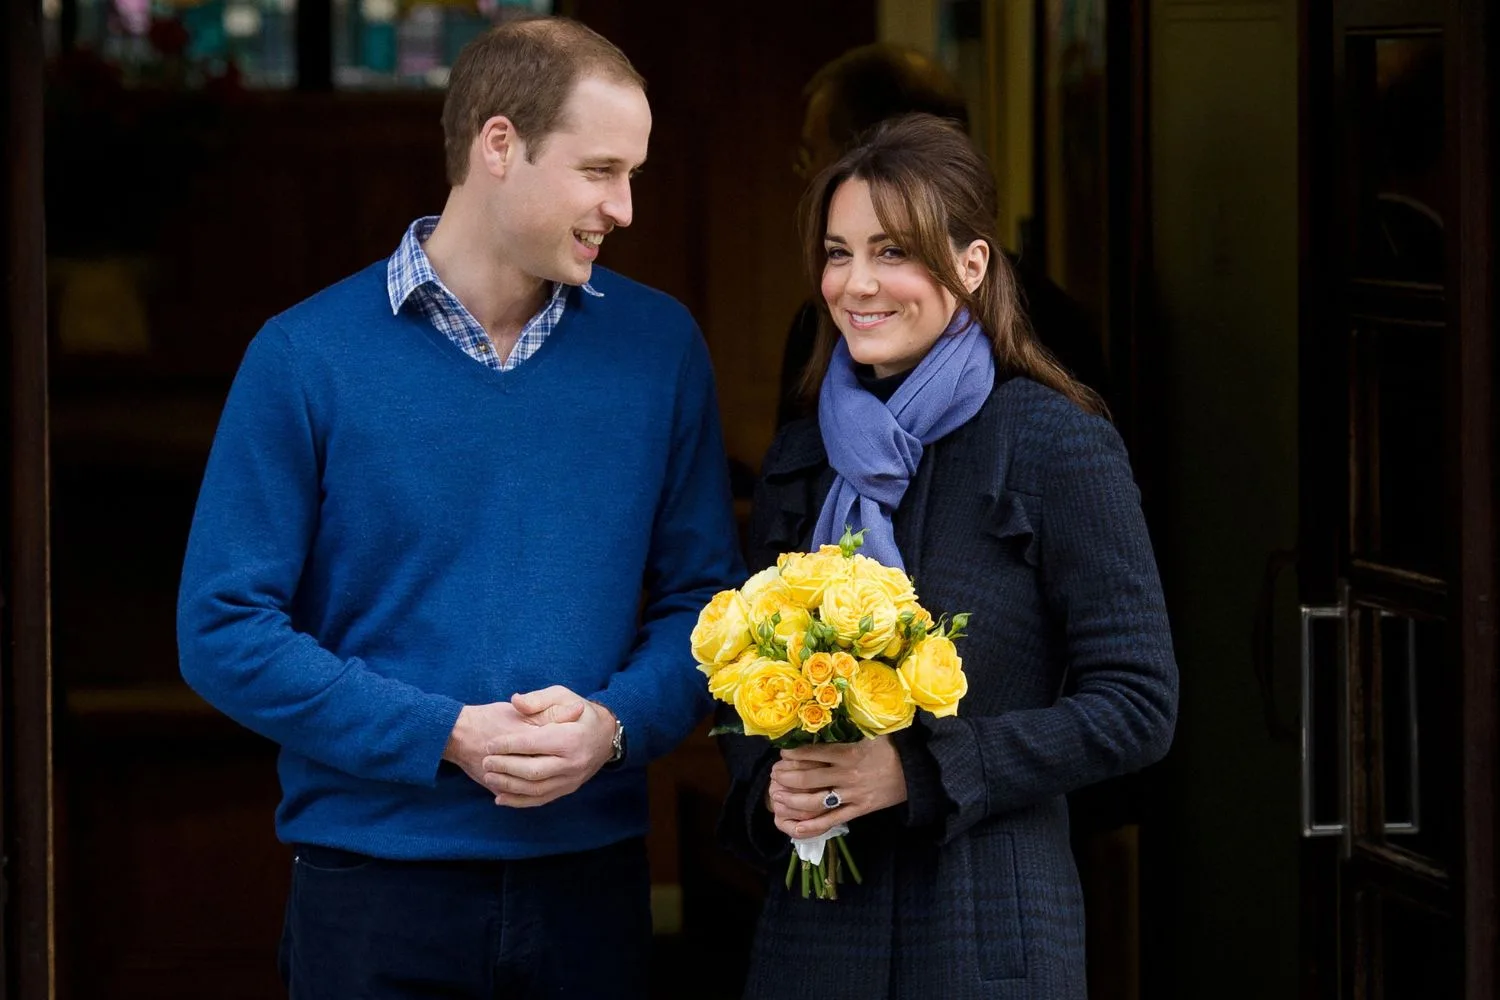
{"points": [[866, 776]]}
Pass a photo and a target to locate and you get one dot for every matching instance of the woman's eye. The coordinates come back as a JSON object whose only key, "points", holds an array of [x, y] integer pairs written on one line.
{"points": [[893, 253], [837, 253]]}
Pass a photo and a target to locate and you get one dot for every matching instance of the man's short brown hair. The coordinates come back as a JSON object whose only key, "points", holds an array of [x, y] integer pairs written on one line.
{"points": [[525, 70]]}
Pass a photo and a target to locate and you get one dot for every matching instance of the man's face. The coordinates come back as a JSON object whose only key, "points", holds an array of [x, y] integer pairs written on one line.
{"points": [[555, 212], [816, 149]]}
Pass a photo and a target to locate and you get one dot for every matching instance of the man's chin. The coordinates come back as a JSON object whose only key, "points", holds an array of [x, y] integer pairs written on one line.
{"points": [[574, 274]]}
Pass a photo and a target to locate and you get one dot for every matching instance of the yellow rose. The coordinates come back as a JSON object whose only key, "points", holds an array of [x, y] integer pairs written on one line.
{"points": [[767, 601], [722, 632], [877, 701], [828, 696], [803, 689], [765, 700], [818, 668], [844, 665], [814, 716], [809, 574], [892, 651], [795, 649], [894, 582], [770, 576], [726, 679], [774, 600], [934, 674], [846, 604]]}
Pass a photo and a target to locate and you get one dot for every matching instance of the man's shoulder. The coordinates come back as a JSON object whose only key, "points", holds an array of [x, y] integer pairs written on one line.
{"points": [[352, 300], [627, 300]]}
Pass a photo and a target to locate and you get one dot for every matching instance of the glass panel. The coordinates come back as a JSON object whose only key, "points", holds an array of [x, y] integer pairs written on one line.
{"points": [[1414, 705], [397, 43], [1397, 637], [1399, 409], [208, 44], [1397, 89], [1419, 956], [1075, 125]]}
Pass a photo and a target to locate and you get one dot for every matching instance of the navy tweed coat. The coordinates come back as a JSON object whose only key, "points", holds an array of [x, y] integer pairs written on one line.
{"points": [[1028, 517]]}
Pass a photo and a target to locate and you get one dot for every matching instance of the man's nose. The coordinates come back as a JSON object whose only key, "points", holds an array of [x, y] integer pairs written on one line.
{"points": [[618, 208]]}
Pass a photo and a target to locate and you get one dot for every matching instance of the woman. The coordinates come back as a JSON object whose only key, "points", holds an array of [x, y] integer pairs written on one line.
{"points": [[974, 461]]}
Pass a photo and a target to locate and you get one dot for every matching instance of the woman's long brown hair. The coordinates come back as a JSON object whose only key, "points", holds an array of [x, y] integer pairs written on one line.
{"points": [[934, 194]]}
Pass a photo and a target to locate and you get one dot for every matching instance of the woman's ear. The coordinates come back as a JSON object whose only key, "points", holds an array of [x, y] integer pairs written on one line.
{"points": [[973, 264]]}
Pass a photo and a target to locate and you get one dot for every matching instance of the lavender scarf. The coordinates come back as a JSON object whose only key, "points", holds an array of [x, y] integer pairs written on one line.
{"points": [[874, 447]]}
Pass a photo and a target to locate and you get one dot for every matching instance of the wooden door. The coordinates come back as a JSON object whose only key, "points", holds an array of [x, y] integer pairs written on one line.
{"points": [[1397, 503]]}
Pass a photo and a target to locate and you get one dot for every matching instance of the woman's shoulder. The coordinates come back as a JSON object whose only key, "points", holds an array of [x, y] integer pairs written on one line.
{"points": [[1038, 428], [797, 449]]}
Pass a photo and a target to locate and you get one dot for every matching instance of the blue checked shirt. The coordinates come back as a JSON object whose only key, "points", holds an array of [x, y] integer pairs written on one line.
{"points": [[410, 276]]}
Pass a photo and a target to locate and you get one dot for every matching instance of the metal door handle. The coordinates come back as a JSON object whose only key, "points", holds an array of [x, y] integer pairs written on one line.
{"points": [[1310, 826]]}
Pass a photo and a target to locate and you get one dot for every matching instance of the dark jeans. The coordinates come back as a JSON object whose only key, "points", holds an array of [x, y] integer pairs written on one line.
{"points": [[574, 925]]}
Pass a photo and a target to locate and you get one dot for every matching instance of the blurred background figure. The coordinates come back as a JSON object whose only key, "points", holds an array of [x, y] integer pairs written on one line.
{"points": [[852, 94]]}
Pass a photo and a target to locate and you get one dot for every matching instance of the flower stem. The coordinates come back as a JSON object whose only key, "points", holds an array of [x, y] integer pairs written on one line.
{"points": [[791, 867], [848, 859]]}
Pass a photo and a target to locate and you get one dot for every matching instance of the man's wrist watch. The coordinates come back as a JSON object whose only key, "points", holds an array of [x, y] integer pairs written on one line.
{"points": [[617, 746]]}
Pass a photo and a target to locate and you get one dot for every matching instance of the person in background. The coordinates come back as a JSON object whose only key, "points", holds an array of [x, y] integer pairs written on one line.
{"points": [[459, 518]]}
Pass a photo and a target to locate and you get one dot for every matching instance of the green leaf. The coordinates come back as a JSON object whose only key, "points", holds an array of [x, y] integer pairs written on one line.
{"points": [[792, 740], [736, 728]]}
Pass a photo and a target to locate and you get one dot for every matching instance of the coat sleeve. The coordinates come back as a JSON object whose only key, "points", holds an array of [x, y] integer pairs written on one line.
{"points": [[745, 826], [1102, 593]]}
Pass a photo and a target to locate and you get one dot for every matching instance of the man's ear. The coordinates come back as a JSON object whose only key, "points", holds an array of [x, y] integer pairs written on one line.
{"points": [[498, 146], [973, 264]]}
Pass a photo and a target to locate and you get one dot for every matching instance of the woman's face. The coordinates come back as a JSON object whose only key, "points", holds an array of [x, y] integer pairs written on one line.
{"points": [[886, 304]]}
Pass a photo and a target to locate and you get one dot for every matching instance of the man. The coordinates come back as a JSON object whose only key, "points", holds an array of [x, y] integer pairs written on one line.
{"points": [[437, 492], [853, 94]]}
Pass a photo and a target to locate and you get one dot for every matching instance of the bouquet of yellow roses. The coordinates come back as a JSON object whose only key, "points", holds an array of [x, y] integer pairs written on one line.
{"points": [[827, 647]]}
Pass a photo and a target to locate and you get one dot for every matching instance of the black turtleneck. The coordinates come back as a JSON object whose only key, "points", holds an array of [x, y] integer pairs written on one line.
{"points": [[881, 388]]}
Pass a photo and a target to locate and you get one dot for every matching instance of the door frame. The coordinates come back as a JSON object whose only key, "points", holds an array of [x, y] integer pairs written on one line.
{"points": [[1472, 28], [27, 917]]}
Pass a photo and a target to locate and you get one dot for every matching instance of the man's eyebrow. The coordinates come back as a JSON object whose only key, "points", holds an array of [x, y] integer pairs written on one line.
{"points": [[611, 161]]}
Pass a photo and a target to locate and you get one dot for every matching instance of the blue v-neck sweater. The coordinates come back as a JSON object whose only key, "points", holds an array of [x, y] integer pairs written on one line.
{"points": [[387, 531]]}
